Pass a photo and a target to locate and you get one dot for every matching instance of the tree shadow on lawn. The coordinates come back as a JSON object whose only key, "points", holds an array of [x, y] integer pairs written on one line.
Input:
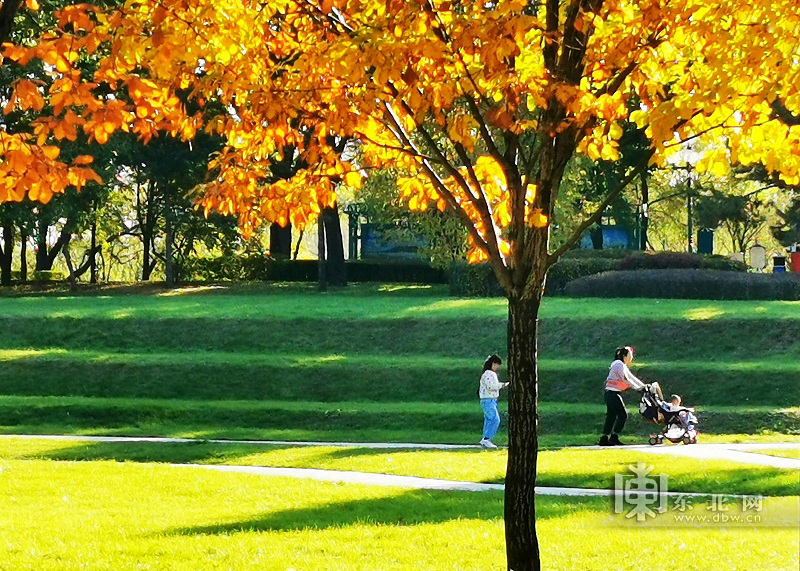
{"points": [[739, 480], [164, 452], [410, 508]]}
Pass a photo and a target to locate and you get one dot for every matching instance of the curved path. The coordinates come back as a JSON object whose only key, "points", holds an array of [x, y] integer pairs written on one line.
{"points": [[734, 452]]}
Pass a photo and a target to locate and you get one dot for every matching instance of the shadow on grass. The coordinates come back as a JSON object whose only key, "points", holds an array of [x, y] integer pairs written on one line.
{"points": [[199, 452], [406, 509]]}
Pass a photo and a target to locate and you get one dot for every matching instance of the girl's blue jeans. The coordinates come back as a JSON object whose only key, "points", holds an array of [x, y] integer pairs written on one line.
{"points": [[491, 418]]}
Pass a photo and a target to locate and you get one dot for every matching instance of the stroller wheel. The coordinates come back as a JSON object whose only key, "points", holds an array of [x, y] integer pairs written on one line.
{"points": [[687, 439], [653, 441]]}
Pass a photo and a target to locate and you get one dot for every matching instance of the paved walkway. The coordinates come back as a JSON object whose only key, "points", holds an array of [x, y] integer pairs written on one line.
{"points": [[729, 452], [389, 480], [733, 452]]}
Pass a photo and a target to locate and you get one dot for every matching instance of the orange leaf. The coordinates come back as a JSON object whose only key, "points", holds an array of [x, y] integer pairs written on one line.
{"points": [[83, 160]]}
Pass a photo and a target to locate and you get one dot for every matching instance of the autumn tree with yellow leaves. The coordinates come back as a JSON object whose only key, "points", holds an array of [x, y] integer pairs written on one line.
{"points": [[479, 105]]}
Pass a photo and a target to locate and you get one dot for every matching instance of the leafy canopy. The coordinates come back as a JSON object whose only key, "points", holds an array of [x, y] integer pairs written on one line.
{"points": [[466, 98]]}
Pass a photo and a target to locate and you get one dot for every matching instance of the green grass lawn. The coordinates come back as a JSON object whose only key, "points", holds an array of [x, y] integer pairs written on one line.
{"points": [[782, 452], [368, 363], [105, 515], [374, 363], [562, 468], [425, 422]]}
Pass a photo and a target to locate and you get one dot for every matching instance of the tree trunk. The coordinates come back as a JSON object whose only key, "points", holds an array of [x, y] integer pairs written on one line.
{"points": [[645, 221], [73, 281], [522, 545], [280, 241], [7, 12], [46, 257], [23, 256], [147, 265], [322, 275], [6, 255], [169, 269], [297, 246], [596, 234], [41, 248], [93, 254], [337, 273]]}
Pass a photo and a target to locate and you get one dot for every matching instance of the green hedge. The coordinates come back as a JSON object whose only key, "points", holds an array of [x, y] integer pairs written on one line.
{"points": [[473, 280], [478, 280], [679, 260], [607, 253], [688, 284], [569, 269], [261, 268]]}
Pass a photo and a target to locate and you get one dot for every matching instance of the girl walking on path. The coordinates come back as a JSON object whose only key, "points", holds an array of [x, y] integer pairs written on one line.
{"points": [[488, 392], [619, 379]]}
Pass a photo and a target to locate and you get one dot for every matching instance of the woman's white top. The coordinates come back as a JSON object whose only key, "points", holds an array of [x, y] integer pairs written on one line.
{"points": [[621, 379], [490, 385]]}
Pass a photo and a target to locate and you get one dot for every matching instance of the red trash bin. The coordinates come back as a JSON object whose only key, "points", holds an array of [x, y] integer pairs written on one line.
{"points": [[795, 261]]}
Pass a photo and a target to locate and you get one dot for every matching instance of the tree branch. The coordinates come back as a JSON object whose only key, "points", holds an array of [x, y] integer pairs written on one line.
{"points": [[576, 235], [7, 12]]}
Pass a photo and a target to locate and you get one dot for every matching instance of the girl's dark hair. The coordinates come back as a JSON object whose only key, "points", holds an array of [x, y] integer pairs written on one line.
{"points": [[622, 352], [491, 360]]}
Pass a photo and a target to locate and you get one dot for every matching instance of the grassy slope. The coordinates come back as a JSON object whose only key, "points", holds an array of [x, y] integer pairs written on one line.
{"points": [[306, 364]]}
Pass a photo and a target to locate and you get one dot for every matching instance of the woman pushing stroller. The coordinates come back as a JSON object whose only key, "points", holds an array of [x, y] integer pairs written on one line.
{"points": [[619, 379]]}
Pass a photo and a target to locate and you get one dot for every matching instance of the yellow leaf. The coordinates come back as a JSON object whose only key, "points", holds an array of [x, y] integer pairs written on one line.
{"points": [[353, 179], [83, 160]]}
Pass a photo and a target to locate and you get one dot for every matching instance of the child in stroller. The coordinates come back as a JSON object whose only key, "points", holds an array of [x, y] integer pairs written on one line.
{"points": [[679, 421]]}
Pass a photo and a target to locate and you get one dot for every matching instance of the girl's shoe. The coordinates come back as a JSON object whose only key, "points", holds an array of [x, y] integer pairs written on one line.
{"points": [[488, 444]]}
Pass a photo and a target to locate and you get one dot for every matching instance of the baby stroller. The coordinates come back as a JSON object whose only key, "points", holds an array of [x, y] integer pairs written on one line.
{"points": [[679, 422]]}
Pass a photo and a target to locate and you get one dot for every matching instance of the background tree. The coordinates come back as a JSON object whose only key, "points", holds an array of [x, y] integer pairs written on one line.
{"points": [[481, 106], [439, 236]]}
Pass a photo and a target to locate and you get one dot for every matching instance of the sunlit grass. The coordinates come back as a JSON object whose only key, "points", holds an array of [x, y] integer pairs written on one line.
{"points": [[374, 302], [563, 468], [781, 452], [62, 516]]}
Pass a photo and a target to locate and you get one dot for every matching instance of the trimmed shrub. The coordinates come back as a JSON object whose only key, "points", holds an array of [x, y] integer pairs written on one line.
{"points": [[679, 261], [45, 276], [661, 261], [397, 272], [608, 253], [473, 280], [569, 269], [723, 263], [688, 284], [478, 280], [262, 268]]}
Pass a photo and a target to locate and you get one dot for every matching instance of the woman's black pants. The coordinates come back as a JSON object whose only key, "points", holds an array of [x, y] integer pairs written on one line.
{"points": [[616, 415]]}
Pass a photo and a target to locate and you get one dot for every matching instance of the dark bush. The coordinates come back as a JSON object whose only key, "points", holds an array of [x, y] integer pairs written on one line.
{"points": [[688, 284], [568, 269], [723, 263], [262, 268], [608, 253], [661, 261], [473, 280], [398, 272], [44, 276], [478, 280]]}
